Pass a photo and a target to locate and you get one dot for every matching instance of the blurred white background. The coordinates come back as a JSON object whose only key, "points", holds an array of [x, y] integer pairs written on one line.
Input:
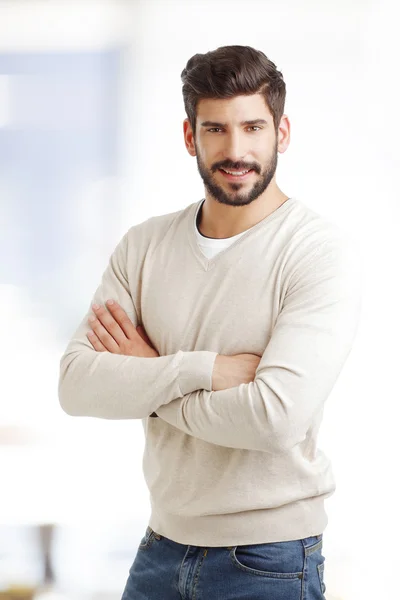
{"points": [[91, 142]]}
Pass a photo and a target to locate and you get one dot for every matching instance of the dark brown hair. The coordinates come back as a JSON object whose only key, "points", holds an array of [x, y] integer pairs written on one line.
{"points": [[231, 71]]}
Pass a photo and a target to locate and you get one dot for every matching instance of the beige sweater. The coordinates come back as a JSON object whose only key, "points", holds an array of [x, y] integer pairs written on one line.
{"points": [[237, 466]]}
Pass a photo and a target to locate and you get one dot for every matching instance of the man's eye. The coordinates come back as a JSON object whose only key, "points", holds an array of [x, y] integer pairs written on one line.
{"points": [[252, 127]]}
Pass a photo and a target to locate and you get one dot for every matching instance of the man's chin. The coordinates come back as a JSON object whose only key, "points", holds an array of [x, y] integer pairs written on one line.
{"points": [[233, 200]]}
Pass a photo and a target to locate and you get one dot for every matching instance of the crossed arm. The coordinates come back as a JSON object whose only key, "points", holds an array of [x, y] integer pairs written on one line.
{"points": [[309, 345], [114, 385], [311, 340]]}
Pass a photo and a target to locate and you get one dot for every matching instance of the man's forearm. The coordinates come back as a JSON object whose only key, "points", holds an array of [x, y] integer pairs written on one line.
{"points": [[231, 371], [114, 386]]}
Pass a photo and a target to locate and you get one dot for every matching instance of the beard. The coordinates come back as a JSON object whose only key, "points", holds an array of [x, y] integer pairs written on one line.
{"points": [[237, 197]]}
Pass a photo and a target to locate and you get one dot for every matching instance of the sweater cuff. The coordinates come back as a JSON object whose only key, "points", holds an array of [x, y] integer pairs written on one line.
{"points": [[195, 371]]}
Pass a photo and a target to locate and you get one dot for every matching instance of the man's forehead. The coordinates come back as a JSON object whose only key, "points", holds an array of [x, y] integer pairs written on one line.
{"points": [[238, 108]]}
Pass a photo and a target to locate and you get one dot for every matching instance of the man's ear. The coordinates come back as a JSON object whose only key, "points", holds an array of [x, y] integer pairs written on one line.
{"points": [[189, 137]]}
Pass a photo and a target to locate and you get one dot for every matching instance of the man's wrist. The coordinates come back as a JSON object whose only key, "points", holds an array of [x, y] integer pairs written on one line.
{"points": [[196, 370], [217, 376]]}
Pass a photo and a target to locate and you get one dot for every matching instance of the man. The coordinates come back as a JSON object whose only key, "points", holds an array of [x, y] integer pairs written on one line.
{"points": [[230, 324]]}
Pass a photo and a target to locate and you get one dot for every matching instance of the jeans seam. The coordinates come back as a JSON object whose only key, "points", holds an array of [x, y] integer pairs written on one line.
{"points": [[183, 593], [196, 577], [320, 569]]}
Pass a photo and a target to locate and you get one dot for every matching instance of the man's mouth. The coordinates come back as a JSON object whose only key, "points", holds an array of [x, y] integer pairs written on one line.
{"points": [[234, 175]]}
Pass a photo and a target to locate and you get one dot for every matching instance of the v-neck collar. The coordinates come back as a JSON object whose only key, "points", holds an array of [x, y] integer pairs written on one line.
{"points": [[209, 263]]}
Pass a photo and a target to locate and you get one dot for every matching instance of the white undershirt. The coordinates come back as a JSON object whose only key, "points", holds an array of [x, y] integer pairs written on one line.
{"points": [[211, 246]]}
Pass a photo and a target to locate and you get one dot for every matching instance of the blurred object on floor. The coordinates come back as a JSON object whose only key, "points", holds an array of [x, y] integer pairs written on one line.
{"points": [[46, 535], [50, 592], [18, 592]]}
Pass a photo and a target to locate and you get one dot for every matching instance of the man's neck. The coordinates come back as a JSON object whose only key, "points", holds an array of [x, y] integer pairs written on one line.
{"points": [[216, 220]]}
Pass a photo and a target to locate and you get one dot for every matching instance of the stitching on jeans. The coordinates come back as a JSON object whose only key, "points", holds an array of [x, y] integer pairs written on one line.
{"points": [[320, 569], [180, 569], [196, 577], [308, 550], [303, 580], [268, 574], [311, 549], [149, 540]]}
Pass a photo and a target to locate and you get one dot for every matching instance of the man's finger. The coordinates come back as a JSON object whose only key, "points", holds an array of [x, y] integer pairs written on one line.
{"points": [[96, 343], [110, 323], [122, 319], [104, 336]]}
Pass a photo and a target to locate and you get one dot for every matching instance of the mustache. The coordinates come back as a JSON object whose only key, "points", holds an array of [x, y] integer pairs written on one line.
{"points": [[235, 167]]}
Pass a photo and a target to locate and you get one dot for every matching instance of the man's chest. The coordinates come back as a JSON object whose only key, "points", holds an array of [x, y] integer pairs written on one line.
{"points": [[230, 308]]}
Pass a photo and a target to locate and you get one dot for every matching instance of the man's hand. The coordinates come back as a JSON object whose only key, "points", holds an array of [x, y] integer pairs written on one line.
{"points": [[231, 371], [114, 332]]}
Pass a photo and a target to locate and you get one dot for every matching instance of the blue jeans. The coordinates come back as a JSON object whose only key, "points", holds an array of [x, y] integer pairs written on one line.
{"points": [[166, 570]]}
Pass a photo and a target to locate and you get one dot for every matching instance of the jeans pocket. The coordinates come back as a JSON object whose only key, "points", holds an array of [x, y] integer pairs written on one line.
{"points": [[267, 560], [320, 569], [147, 539]]}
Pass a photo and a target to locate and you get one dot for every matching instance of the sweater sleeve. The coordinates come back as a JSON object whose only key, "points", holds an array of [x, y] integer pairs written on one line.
{"points": [[114, 386], [311, 340]]}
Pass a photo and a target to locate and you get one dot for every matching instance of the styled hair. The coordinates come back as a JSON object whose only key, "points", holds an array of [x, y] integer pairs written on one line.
{"points": [[232, 71]]}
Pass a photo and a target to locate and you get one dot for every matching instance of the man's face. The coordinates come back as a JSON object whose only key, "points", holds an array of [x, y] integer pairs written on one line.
{"points": [[225, 141]]}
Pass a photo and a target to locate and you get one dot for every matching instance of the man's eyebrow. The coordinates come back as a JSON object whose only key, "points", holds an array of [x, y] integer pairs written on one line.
{"points": [[216, 124]]}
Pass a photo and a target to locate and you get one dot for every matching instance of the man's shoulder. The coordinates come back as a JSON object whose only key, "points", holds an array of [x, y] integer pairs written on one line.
{"points": [[154, 228], [315, 242], [312, 229]]}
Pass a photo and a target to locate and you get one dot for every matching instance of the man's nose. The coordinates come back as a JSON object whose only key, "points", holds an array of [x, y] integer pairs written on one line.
{"points": [[235, 148]]}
